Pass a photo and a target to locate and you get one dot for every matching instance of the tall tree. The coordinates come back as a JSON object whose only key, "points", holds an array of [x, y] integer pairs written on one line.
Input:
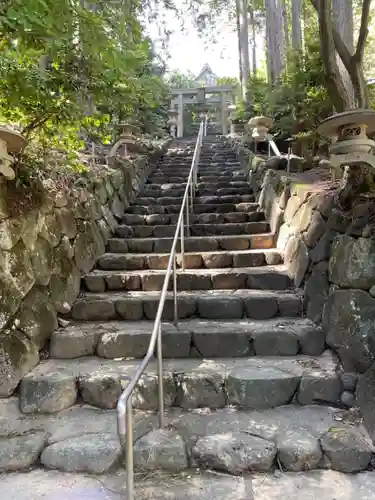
{"points": [[296, 24], [332, 43], [342, 13]]}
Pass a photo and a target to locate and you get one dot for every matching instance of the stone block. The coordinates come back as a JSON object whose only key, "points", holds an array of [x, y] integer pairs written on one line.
{"points": [[352, 262], [91, 453], [37, 317], [319, 387], [299, 451], [200, 390], [235, 453], [348, 320], [20, 452], [160, 449], [220, 307], [257, 388], [47, 393], [18, 355], [347, 449], [65, 290], [261, 307]]}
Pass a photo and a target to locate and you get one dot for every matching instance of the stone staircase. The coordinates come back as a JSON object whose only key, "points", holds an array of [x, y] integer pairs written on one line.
{"points": [[248, 384]]}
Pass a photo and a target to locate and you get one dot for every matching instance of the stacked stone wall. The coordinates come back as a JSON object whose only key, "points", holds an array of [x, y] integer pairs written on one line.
{"points": [[44, 253], [330, 254]]}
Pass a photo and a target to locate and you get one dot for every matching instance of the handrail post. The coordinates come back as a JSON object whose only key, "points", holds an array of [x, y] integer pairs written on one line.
{"points": [[175, 310], [129, 451], [187, 217], [182, 245], [159, 354]]}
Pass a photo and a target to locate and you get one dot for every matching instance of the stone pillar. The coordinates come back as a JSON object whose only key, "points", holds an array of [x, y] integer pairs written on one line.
{"points": [[224, 115], [180, 122]]}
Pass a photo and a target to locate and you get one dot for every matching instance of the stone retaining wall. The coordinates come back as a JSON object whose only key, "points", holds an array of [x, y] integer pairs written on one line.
{"points": [[44, 253], [331, 255]]}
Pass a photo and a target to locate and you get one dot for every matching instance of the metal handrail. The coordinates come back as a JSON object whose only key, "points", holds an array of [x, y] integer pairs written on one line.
{"points": [[124, 404]]}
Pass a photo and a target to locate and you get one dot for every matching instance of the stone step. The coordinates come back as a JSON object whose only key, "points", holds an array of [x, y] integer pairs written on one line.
{"points": [[251, 383], [258, 278], [201, 243], [80, 438], [177, 172], [205, 304], [198, 208], [180, 191], [83, 439], [119, 258], [217, 184], [167, 231], [203, 164], [160, 179], [177, 200], [292, 437], [190, 339], [61, 485], [204, 218], [190, 485], [205, 159]]}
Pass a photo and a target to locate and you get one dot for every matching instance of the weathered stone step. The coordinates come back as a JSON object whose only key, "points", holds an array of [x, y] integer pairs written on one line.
{"points": [[209, 229], [204, 218], [249, 383], [206, 304], [119, 258], [293, 438], [201, 243], [177, 172], [203, 165], [258, 278], [184, 485], [80, 438], [203, 188], [177, 200], [190, 339], [205, 160], [190, 485], [198, 208], [160, 179], [180, 191]]}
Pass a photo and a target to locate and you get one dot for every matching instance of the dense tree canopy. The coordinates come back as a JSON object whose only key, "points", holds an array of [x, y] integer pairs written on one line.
{"points": [[71, 65]]}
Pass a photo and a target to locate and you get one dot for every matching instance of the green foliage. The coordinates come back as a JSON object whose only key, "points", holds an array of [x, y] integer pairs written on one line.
{"points": [[178, 80], [298, 102], [68, 68]]}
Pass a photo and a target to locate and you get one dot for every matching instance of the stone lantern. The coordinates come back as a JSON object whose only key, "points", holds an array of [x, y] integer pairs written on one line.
{"points": [[173, 122], [128, 130], [11, 141], [260, 126], [350, 131], [127, 141]]}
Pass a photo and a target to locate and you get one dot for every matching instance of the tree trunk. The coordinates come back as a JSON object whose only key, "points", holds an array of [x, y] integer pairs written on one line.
{"points": [[268, 40], [296, 24], [275, 45], [244, 32], [342, 14], [238, 22], [285, 24], [253, 40], [334, 83], [279, 38], [352, 61]]}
